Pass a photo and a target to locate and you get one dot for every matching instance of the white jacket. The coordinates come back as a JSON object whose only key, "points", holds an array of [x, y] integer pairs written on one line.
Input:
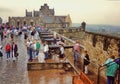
{"points": [[46, 48]]}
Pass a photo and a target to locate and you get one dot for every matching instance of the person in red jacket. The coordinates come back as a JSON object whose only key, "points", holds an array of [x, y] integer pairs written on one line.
{"points": [[8, 49]]}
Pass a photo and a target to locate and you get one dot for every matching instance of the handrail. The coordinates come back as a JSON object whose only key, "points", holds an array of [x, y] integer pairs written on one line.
{"points": [[73, 42], [68, 39], [65, 28], [101, 66]]}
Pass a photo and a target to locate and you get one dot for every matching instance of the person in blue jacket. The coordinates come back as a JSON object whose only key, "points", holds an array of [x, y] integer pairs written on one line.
{"points": [[111, 68], [118, 73]]}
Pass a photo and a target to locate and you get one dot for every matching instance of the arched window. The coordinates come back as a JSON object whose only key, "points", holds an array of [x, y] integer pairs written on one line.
{"points": [[18, 23], [31, 23], [24, 23]]}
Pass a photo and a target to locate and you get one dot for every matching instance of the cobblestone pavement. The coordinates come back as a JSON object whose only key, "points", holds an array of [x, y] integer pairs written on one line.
{"points": [[14, 72]]}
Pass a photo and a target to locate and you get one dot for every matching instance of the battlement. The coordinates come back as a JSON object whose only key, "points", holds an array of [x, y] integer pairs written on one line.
{"points": [[43, 11]]}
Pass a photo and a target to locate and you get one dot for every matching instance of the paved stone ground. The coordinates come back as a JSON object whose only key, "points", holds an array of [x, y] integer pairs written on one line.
{"points": [[14, 72]]}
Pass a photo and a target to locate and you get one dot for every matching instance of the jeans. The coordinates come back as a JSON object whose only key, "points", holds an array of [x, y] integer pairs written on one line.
{"points": [[34, 53], [30, 53], [8, 54], [37, 52], [110, 80], [46, 55], [76, 56]]}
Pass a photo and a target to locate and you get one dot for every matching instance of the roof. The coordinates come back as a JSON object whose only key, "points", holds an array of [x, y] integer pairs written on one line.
{"points": [[51, 11], [51, 19]]}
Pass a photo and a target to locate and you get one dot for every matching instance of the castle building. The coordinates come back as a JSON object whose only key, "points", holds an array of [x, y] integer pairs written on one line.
{"points": [[43, 17], [0, 20]]}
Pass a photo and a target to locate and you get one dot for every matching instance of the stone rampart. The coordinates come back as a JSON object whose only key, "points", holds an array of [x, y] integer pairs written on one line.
{"points": [[99, 47]]}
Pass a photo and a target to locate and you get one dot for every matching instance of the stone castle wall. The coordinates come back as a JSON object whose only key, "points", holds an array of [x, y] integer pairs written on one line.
{"points": [[99, 46]]}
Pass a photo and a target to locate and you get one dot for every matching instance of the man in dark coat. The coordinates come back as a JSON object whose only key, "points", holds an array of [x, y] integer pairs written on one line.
{"points": [[14, 50]]}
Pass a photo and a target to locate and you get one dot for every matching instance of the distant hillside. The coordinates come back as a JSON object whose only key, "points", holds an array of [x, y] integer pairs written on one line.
{"points": [[76, 24], [101, 28], [94, 27], [106, 29]]}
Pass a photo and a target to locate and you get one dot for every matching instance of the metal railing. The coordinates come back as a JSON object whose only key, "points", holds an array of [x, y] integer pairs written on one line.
{"points": [[117, 77], [99, 67]]}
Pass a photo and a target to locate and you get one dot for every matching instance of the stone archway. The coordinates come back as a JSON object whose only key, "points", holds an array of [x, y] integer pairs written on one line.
{"points": [[31, 22], [18, 22], [24, 23]]}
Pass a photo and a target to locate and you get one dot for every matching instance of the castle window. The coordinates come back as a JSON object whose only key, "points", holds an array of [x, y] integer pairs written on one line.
{"points": [[31, 23], [18, 23], [24, 22]]}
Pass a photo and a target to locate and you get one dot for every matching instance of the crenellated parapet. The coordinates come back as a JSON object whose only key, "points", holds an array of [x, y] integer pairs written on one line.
{"points": [[100, 46], [44, 17], [67, 30]]}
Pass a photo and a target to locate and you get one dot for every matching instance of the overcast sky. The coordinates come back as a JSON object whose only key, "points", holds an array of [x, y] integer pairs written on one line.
{"points": [[90, 11]]}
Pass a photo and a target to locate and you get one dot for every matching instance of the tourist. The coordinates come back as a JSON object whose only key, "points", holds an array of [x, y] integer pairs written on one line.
{"points": [[12, 36], [46, 49], [61, 39], [76, 49], [30, 52], [25, 36], [8, 49], [14, 51], [36, 35], [118, 72], [20, 33], [34, 49], [41, 57], [1, 51], [54, 34], [32, 35], [118, 60], [28, 45], [55, 41], [2, 35], [61, 51], [111, 68], [37, 48], [86, 58], [5, 33]]}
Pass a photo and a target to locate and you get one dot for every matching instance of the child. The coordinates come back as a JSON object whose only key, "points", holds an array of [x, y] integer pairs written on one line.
{"points": [[86, 60]]}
